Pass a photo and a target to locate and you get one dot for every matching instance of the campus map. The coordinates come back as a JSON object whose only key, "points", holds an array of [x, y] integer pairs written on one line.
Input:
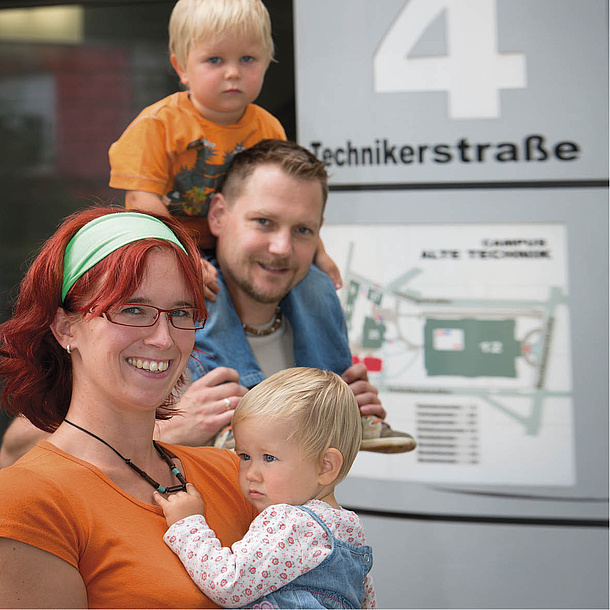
{"points": [[465, 331]]}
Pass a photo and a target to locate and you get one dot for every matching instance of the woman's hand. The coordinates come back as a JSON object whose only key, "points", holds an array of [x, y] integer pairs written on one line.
{"points": [[206, 407], [180, 505], [366, 393]]}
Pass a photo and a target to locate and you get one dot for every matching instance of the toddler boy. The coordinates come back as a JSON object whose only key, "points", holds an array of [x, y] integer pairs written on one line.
{"points": [[172, 157]]}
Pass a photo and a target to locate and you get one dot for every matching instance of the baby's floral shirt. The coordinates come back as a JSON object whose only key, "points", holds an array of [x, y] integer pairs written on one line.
{"points": [[283, 542]]}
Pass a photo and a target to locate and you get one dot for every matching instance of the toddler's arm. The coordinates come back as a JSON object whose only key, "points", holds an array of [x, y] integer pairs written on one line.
{"points": [[143, 201], [327, 264], [370, 599], [274, 551], [180, 505]]}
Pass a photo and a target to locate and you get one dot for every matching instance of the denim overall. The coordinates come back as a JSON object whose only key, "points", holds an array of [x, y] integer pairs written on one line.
{"points": [[338, 582], [318, 326]]}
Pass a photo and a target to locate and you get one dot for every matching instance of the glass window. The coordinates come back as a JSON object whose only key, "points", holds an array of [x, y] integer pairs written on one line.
{"points": [[72, 77]]}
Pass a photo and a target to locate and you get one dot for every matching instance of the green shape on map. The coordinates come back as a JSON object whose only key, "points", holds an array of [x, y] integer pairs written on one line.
{"points": [[352, 295], [373, 333], [470, 347], [375, 296]]}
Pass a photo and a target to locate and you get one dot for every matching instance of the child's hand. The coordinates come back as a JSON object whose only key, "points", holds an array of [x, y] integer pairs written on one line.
{"points": [[327, 264], [210, 285], [180, 505]]}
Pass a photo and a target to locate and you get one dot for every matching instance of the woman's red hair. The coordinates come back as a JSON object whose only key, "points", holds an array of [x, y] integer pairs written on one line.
{"points": [[36, 370]]}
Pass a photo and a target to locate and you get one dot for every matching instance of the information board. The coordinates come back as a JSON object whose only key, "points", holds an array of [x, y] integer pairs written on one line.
{"points": [[464, 329], [467, 147]]}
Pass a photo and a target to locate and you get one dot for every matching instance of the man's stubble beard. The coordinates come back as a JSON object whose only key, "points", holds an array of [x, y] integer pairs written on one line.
{"points": [[247, 287]]}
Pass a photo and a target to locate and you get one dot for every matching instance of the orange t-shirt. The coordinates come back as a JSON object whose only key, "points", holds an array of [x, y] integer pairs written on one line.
{"points": [[170, 149], [70, 508]]}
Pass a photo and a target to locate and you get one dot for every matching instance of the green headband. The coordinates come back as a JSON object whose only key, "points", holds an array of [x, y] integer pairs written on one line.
{"points": [[102, 236]]}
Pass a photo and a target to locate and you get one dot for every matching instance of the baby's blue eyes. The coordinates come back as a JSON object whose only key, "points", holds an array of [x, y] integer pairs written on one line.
{"points": [[266, 457], [246, 59]]}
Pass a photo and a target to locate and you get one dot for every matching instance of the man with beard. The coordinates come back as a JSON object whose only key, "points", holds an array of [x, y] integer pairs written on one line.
{"points": [[267, 218], [267, 316]]}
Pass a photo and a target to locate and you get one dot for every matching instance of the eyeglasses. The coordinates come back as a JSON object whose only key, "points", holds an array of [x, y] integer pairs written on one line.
{"points": [[130, 314]]}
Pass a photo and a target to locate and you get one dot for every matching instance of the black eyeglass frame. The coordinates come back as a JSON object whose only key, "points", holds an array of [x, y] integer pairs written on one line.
{"points": [[167, 312]]}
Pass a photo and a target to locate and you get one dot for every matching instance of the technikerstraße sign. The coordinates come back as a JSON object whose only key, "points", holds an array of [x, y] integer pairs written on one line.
{"points": [[406, 92]]}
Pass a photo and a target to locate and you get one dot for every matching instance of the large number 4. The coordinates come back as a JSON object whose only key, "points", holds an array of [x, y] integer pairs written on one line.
{"points": [[472, 72]]}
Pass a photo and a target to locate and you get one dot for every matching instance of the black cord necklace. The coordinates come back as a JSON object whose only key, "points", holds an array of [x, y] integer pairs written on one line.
{"points": [[166, 458]]}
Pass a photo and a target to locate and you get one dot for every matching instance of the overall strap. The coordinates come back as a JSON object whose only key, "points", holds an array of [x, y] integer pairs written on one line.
{"points": [[318, 520]]}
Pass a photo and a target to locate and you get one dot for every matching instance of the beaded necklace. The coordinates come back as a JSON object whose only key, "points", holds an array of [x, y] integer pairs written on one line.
{"points": [[164, 455], [267, 331]]}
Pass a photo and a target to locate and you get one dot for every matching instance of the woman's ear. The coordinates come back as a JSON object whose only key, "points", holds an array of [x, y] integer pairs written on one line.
{"points": [[216, 212], [61, 327], [330, 465]]}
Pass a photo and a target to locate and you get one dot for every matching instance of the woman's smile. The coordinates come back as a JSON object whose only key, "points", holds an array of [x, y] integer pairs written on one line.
{"points": [[154, 366], [137, 365]]}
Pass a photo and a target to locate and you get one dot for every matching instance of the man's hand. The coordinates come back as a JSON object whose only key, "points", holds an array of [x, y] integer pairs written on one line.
{"points": [[206, 407], [327, 264], [180, 505], [366, 393], [210, 282]]}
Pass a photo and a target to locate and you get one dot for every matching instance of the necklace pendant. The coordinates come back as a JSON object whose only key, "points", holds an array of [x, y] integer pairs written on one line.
{"points": [[164, 455], [174, 489]]}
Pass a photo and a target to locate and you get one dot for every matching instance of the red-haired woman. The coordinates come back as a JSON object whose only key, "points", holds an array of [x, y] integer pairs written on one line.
{"points": [[102, 331]]}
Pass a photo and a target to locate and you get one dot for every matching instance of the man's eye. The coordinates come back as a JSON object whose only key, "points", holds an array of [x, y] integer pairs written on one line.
{"points": [[304, 231], [264, 222], [269, 458]]}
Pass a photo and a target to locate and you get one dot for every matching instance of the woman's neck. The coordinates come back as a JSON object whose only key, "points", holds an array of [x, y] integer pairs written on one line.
{"points": [[131, 437], [130, 434]]}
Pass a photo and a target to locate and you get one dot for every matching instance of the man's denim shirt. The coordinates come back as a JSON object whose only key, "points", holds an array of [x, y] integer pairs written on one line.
{"points": [[318, 326]]}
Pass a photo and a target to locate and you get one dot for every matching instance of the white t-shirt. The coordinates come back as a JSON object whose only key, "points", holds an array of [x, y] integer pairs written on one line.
{"points": [[274, 352]]}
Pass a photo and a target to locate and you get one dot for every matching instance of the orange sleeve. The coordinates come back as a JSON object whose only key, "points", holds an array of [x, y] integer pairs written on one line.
{"points": [[139, 160], [35, 514]]}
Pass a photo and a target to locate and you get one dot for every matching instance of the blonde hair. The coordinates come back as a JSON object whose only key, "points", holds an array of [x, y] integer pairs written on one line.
{"points": [[319, 404], [195, 20]]}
